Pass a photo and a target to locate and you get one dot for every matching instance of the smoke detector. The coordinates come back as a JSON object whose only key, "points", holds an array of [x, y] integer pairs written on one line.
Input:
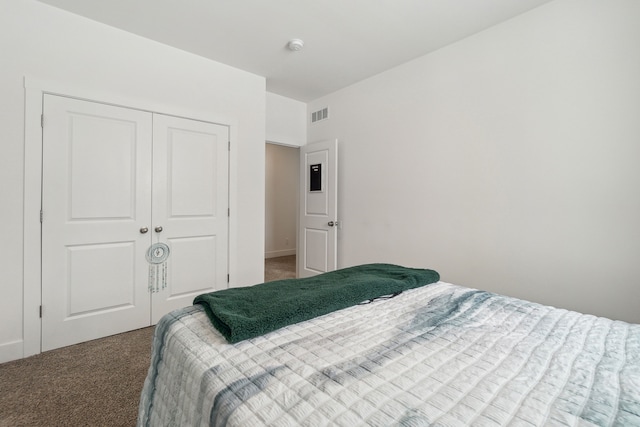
{"points": [[295, 45]]}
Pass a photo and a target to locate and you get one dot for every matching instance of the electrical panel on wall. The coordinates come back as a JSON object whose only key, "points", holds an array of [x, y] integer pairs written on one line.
{"points": [[321, 114]]}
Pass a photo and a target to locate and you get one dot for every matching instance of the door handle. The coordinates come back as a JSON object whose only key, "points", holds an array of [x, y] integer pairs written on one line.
{"points": [[143, 230], [158, 229], [331, 223]]}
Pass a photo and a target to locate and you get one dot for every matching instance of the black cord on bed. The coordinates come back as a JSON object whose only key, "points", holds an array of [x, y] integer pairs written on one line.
{"points": [[369, 301]]}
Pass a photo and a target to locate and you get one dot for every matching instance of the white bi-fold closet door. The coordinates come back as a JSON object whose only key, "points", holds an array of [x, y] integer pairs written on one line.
{"points": [[116, 181]]}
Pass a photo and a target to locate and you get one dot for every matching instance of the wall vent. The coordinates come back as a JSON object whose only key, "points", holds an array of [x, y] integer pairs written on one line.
{"points": [[322, 114]]}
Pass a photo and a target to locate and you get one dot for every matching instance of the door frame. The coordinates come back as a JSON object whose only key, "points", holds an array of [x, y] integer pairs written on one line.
{"points": [[35, 90]]}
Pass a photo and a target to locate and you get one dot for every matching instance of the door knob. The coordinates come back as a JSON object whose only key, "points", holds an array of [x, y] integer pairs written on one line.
{"points": [[158, 229], [143, 230], [331, 223]]}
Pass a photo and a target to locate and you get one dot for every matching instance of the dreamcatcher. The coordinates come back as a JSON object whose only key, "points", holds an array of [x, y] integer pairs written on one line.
{"points": [[157, 255]]}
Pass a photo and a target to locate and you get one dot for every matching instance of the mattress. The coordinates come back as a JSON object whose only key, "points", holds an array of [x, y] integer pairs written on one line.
{"points": [[441, 355]]}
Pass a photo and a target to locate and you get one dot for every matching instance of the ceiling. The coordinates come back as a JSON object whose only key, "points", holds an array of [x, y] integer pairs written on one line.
{"points": [[345, 41]]}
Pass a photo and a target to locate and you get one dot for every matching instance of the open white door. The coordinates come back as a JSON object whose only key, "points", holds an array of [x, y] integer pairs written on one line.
{"points": [[317, 236]]}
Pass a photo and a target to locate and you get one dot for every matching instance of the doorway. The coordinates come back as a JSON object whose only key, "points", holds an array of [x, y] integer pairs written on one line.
{"points": [[281, 210]]}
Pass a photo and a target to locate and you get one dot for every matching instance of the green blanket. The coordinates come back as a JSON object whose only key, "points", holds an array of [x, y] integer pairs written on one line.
{"points": [[242, 313]]}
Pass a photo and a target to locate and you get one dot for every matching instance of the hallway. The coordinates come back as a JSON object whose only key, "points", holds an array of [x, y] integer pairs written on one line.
{"points": [[283, 267]]}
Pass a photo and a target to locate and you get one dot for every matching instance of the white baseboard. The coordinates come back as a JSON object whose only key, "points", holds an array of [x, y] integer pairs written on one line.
{"points": [[12, 350], [281, 252]]}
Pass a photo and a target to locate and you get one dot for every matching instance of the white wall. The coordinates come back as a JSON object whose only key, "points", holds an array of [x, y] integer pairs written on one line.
{"points": [[286, 120], [508, 161], [45, 43], [281, 200]]}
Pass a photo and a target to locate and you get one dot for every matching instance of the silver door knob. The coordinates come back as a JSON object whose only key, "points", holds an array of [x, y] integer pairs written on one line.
{"points": [[143, 230], [158, 229], [331, 223]]}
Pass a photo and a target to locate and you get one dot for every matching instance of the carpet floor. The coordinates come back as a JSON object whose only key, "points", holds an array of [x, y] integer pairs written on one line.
{"points": [[283, 267], [96, 383]]}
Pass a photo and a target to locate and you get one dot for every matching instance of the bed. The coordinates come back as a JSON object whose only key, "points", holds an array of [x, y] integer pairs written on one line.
{"points": [[436, 354]]}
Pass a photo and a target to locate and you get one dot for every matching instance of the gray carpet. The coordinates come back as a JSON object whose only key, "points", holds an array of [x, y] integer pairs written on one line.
{"points": [[97, 383], [283, 267]]}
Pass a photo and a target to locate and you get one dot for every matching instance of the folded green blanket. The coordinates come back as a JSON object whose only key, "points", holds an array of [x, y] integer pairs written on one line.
{"points": [[242, 313]]}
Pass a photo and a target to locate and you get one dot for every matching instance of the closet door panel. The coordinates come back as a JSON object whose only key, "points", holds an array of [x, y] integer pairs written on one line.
{"points": [[95, 199], [192, 174], [192, 268], [190, 207]]}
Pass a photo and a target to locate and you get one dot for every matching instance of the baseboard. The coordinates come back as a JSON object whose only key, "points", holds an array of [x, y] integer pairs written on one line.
{"points": [[12, 350], [282, 252]]}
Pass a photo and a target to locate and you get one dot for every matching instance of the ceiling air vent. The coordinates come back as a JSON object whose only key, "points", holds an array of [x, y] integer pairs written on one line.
{"points": [[323, 114]]}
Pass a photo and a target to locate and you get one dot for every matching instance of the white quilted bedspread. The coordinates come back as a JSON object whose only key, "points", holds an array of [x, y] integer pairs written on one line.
{"points": [[439, 355]]}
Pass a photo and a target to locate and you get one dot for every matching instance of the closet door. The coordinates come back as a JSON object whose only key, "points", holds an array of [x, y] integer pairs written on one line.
{"points": [[190, 209], [96, 206]]}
